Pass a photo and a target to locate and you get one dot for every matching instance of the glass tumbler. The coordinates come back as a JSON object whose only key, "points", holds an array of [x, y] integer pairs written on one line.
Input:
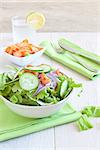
{"points": [[21, 30]]}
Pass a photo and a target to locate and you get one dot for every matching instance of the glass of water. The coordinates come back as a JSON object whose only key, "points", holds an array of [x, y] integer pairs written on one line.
{"points": [[21, 30]]}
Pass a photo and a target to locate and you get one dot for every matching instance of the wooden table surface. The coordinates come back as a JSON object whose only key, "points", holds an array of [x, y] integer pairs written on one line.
{"points": [[64, 15], [65, 137]]}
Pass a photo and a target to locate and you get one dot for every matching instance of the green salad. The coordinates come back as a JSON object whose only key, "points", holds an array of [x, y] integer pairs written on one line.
{"points": [[35, 85]]}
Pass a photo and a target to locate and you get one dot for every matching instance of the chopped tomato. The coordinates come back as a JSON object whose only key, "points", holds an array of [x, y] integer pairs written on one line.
{"points": [[35, 73], [22, 49], [29, 71], [44, 79], [17, 54], [29, 66], [58, 72], [9, 50], [37, 47], [25, 41]]}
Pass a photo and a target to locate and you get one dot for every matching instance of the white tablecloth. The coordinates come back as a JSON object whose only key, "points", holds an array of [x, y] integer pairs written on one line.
{"points": [[65, 137]]}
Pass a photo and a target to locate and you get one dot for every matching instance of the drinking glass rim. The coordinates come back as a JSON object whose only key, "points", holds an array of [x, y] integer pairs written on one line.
{"points": [[17, 19]]}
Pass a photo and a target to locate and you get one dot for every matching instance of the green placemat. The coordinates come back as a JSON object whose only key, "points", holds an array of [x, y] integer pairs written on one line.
{"points": [[13, 125], [68, 61]]}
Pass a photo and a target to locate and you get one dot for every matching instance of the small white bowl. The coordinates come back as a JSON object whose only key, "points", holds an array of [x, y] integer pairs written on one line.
{"points": [[36, 111], [23, 61]]}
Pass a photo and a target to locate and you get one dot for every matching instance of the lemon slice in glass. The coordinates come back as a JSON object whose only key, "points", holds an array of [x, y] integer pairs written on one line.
{"points": [[36, 20]]}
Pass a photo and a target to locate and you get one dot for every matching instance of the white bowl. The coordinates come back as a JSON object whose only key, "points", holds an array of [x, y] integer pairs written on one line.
{"points": [[36, 111], [23, 61]]}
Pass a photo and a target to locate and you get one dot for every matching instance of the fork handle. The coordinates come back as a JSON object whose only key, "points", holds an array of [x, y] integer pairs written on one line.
{"points": [[71, 47], [84, 64]]}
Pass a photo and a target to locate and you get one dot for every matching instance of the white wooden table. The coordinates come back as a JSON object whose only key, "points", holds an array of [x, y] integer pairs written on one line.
{"points": [[65, 137]]}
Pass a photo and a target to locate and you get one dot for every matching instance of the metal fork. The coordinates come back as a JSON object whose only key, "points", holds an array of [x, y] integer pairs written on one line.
{"points": [[60, 50]]}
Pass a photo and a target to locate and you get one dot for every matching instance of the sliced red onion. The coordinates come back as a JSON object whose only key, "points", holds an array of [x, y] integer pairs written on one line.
{"points": [[53, 77], [53, 72], [40, 88], [52, 84], [39, 76]]}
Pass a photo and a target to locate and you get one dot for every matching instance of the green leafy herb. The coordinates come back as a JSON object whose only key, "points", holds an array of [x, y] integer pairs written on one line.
{"points": [[42, 95], [18, 86]]}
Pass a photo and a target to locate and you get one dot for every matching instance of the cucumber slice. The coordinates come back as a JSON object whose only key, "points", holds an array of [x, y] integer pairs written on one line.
{"points": [[63, 88], [10, 75], [46, 68], [40, 68], [28, 81], [67, 92], [34, 69]]}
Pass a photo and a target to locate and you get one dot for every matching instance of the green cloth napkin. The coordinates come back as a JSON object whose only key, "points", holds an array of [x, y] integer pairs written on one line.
{"points": [[67, 44], [68, 61], [13, 125]]}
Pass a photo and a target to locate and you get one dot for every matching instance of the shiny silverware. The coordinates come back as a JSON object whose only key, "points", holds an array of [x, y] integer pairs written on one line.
{"points": [[74, 51], [60, 50]]}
